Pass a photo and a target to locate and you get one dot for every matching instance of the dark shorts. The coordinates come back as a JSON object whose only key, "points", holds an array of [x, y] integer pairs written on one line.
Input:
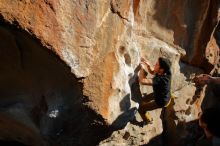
{"points": [[160, 102]]}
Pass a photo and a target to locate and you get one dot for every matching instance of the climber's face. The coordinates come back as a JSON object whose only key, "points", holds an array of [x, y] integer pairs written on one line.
{"points": [[157, 68]]}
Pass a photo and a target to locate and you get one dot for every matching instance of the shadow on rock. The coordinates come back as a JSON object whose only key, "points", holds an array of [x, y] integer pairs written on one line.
{"points": [[128, 114], [135, 87]]}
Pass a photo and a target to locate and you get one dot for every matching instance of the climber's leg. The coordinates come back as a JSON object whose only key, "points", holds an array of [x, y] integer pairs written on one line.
{"points": [[147, 98], [147, 107]]}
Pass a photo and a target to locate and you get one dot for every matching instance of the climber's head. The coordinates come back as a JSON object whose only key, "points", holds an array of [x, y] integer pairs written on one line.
{"points": [[162, 66]]}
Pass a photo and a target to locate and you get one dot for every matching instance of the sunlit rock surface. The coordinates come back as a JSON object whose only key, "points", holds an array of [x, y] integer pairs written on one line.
{"points": [[67, 68]]}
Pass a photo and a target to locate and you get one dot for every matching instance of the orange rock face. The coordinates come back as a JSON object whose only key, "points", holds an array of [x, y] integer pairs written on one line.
{"points": [[100, 90], [36, 17]]}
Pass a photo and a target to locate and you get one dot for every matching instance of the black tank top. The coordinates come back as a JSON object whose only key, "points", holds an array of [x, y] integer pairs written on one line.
{"points": [[161, 88]]}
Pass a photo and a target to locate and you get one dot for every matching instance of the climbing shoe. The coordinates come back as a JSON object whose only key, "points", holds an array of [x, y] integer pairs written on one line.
{"points": [[148, 117]]}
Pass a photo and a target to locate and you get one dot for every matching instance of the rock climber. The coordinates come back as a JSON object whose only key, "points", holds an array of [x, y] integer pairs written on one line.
{"points": [[161, 83]]}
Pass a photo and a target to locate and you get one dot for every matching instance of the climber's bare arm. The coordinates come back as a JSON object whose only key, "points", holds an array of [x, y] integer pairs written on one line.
{"points": [[206, 79], [145, 62], [215, 80], [142, 78], [147, 82]]}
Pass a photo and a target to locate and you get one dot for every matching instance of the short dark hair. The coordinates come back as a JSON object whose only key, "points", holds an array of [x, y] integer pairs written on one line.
{"points": [[165, 64], [210, 116]]}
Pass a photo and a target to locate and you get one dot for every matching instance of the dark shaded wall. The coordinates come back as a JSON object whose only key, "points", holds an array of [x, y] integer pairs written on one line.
{"points": [[41, 102]]}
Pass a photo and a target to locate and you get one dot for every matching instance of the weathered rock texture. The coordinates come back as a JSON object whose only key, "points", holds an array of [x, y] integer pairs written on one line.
{"points": [[81, 88]]}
